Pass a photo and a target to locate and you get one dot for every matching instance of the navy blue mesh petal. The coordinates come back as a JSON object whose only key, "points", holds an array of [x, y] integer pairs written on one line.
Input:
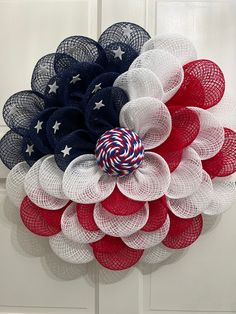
{"points": [[62, 122], [73, 101], [119, 62], [72, 92], [30, 151], [63, 62], [20, 109], [102, 111], [119, 32], [79, 142], [71, 85], [38, 134], [104, 80], [11, 149], [42, 73], [83, 49], [51, 98]]}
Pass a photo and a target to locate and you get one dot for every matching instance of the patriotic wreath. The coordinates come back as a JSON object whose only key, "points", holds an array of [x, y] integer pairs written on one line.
{"points": [[119, 149]]}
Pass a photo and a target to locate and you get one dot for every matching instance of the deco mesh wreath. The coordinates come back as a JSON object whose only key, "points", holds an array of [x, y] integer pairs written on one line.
{"points": [[118, 151]]}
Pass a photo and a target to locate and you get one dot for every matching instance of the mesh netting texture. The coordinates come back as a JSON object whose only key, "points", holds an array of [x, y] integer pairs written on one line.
{"points": [[121, 147]]}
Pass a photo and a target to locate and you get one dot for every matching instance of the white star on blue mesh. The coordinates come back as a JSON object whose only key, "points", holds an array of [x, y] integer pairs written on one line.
{"points": [[30, 149], [72, 49], [56, 126], [75, 79], [66, 151], [53, 88], [98, 105], [97, 88], [38, 126], [43, 69], [13, 110], [118, 53], [127, 31]]}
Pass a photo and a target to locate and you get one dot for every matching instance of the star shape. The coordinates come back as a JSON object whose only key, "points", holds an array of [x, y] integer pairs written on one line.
{"points": [[127, 31], [96, 88], [43, 69], [13, 109], [72, 49], [99, 105], [30, 149], [53, 88], [56, 127], [38, 126], [118, 53], [66, 151], [75, 79]]}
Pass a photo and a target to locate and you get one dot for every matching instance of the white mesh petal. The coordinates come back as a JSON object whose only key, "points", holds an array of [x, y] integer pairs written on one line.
{"points": [[225, 112], [210, 137], [69, 251], [15, 183], [149, 182], [120, 226], [149, 118], [187, 177], [35, 192], [166, 67], [140, 82], [193, 205], [50, 177], [72, 229], [224, 193], [85, 183], [156, 254], [176, 44], [145, 240]]}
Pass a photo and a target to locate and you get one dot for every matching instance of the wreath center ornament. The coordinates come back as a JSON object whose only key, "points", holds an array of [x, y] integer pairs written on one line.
{"points": [[119, 152], [160, 134]]}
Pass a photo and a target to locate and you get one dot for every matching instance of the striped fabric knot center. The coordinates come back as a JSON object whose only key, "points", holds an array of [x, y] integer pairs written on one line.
{"points": [[119, 152]]}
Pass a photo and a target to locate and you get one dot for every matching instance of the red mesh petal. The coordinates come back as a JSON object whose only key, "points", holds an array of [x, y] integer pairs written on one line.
{"points": [[183, 232], [178, 225], [157, 215], [123, 259], [40, 221], [108, 244], [113, 254], [203, 85], [85, 216], [224, 162], [185, 125], [173, 159], [185, 128], [119, 204]]}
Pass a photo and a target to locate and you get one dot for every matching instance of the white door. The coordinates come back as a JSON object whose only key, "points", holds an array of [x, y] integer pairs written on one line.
{"points": [[32, 279]]}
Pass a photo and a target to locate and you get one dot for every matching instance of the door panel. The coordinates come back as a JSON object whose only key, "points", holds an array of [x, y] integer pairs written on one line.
{"points": [[123, 10], [33, 280], [31, 276]]}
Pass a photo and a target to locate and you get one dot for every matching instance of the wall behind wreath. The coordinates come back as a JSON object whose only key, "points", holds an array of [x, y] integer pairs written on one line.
{"points": [[204, 280]]}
